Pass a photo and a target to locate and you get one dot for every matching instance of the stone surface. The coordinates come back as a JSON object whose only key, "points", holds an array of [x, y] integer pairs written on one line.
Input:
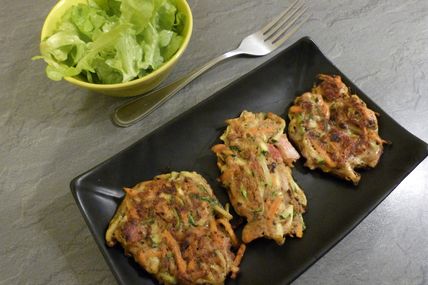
{"points": [[51, 131]]}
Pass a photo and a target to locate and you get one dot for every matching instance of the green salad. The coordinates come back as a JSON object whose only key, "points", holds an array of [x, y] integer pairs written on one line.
{"points": [[113, 41]]}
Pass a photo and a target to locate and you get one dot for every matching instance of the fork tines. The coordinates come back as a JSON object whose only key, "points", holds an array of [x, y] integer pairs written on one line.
{"points": [[284, 25]]}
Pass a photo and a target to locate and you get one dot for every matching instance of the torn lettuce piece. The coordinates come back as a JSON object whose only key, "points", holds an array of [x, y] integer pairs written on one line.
{"points": [[172, 47]]}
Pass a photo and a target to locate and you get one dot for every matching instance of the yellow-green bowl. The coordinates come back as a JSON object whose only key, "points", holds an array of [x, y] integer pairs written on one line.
{"points": [[134, 87]]}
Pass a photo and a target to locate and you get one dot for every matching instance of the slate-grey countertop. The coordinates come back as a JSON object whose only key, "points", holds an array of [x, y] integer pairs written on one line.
{"points": [[51, 131]]}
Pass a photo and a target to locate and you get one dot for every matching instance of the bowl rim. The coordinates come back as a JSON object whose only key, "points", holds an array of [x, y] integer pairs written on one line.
{"points": [[163, 68]]}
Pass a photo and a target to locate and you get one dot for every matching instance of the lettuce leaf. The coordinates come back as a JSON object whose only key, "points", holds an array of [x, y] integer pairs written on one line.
{"points": [[128, 57], [113, 41], [166, 15], [172, 47], [137, 12]]}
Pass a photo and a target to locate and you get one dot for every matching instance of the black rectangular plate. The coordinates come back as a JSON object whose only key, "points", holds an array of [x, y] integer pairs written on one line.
{"points": [[335, 207]]}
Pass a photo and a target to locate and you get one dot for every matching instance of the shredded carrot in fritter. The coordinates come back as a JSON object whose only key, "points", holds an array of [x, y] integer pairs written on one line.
{"points": [[213, 226], [172, 243], [228, 227], [274, 207], [325, 156], [295, 109], [191, 265], [237, 260], [299, 231]]}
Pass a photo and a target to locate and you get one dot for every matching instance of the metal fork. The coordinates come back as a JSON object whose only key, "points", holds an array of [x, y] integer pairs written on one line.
{"points": [[260, 43]]}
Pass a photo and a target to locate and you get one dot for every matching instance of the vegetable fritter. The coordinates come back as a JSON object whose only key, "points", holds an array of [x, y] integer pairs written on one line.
{"points": [[255, 162], [177, 230], [334, 130]]}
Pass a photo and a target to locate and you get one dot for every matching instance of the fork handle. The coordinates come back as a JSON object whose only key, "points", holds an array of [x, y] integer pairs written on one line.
{"points": [[135, 110]]}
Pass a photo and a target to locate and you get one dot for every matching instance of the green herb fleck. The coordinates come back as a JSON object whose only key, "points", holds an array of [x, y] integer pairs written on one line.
{"points": [[244, 192], [211, 201], [150, 221], [191, 220], [203, 189], [257, 212], [235, 148], [284, 216]]}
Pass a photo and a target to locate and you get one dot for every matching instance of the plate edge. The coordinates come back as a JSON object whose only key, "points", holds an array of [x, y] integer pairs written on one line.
{"points": [[74, 191]]}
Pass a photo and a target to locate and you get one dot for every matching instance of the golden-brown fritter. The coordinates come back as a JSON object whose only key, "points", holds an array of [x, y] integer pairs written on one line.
{"points": [[177, 230], [255, 162], [334, 130]]}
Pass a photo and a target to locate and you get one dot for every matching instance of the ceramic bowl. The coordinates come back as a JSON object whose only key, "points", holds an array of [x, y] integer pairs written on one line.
{"points": [[136, 86]]}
